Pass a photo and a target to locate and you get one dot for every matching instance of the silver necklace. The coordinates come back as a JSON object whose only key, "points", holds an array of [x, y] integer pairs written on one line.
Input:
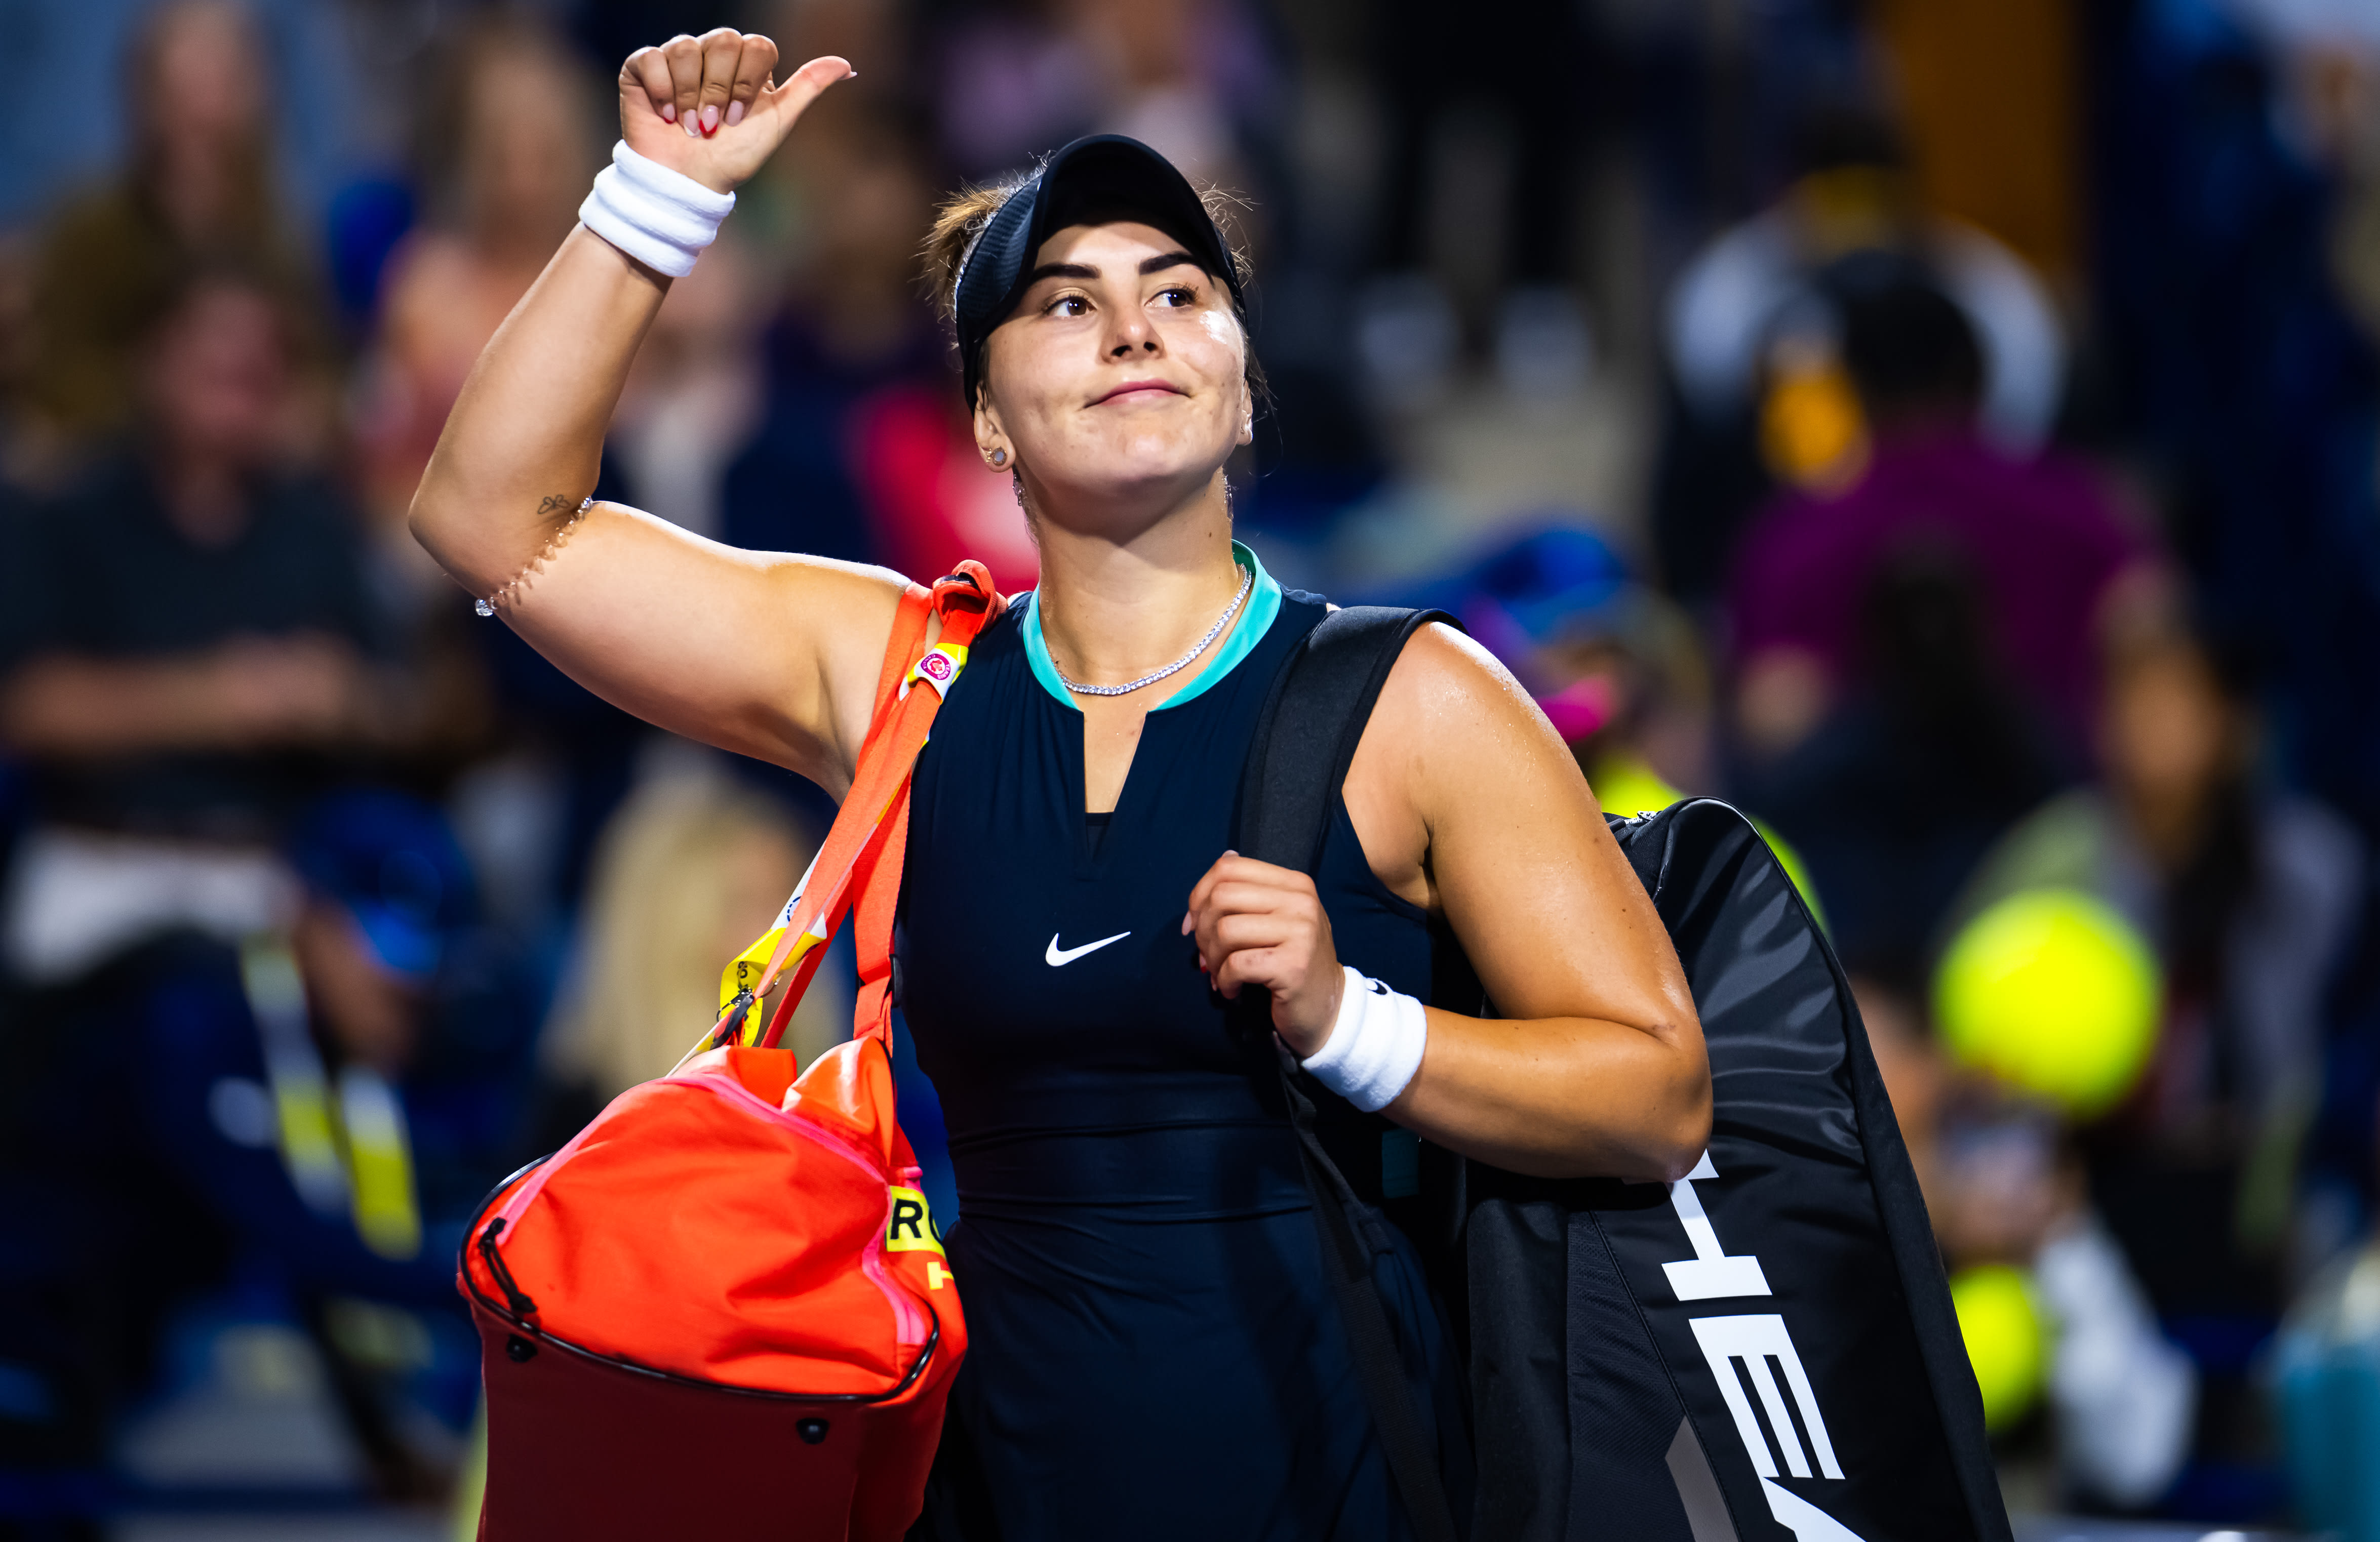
{"points": [[1178, 665]]}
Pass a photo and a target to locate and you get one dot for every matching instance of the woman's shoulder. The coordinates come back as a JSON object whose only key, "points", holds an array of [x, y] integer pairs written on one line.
{"points": [[1452, 714], [1443, 659]]}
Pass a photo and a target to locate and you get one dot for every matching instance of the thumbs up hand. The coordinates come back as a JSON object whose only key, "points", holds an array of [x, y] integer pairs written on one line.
{"points": [[710, 106]]}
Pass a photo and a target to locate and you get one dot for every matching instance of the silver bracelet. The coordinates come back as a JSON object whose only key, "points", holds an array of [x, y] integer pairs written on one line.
{"points": [[503, 597]]}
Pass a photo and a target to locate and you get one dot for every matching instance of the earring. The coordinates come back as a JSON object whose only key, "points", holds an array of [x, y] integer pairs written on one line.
{"points": [[999, 458]]}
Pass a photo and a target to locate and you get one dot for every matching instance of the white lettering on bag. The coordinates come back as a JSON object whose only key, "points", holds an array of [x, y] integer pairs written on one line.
{"points": [[1805, 1519], [1710, 1273], [1755, 1341]]}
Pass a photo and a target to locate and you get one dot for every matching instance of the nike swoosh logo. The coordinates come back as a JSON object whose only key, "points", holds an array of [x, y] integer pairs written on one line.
{"points": [[1057, 955]]}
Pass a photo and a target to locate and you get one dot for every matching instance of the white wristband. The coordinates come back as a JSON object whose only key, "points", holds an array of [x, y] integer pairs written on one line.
{"points": [[1374, 1045], [661, 218]]}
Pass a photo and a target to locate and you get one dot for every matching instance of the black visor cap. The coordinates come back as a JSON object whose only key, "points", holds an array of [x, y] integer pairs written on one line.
{"points": [[1098, 180]]}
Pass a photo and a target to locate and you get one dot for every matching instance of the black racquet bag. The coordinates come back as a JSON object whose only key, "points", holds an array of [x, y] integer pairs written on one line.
{"points": [[1763, 1352]]}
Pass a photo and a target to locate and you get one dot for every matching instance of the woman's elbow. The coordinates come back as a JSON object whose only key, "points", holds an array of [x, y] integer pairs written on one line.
{"points": [[1689, 1131], [1681, 1132], [426, 514], [450, 486], [436, 516]]}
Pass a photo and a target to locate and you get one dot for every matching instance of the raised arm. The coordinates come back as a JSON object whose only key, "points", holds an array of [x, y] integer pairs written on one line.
{"points": [[1469, 802], [771, 655]]}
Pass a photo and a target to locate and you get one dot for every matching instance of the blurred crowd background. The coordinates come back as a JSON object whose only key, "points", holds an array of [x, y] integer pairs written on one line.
{"points": [[1947, 428]]}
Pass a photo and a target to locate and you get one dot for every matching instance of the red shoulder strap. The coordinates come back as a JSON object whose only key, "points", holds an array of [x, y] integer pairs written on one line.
{"points": [[901, 650], [872, 826]]}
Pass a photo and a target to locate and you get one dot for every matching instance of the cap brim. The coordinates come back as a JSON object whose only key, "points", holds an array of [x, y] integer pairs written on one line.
{"points": [[1108, 177]]}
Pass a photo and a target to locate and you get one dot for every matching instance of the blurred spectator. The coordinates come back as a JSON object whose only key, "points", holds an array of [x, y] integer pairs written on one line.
{"points": [[694, 393], [864, 451], [1482, 182], [28, 446], [1904, 783], [185, 646], [1175, 75], [1020, 80], [2324, 1372], [2236, 374], [199, 188], [326, 1102], [1616, 667], [2249, 896], [2052, 560], [1914, 657], [690, 870], [509, 138], [2338, 98], [1754, 338], [2003, 1188]]}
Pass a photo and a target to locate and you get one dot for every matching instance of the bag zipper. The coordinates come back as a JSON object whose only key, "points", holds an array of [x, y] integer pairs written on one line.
{"points": [[514, 1297]]}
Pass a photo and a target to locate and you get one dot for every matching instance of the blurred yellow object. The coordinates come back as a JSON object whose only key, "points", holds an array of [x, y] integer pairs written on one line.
{"points": [[743, 973], [380, 1163], [1797, 872], [2054, 994], [1813, 433], [345, 1147], [1627, 785], [2006, 1340]]}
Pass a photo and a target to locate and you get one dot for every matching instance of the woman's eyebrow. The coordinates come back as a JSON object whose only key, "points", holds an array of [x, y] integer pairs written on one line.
{"points": [[1085, 271], [1059, 270]]}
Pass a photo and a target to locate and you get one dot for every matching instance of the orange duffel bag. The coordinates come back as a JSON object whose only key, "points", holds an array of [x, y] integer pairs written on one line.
{"points": [[723, 1310]]}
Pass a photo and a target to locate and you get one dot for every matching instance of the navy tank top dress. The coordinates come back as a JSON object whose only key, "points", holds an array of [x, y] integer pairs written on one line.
{"points": [[1154, 1351]]}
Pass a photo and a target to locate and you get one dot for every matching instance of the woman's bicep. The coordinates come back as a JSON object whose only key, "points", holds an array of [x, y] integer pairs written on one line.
{"points": [[1547, 908], [766, 654]]}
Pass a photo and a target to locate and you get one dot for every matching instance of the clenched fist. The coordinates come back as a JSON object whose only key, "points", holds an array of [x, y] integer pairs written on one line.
{"points": [[710, 106], [1259, 925]]}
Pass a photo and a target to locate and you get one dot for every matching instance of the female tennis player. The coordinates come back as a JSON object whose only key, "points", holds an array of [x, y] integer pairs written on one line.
{"points": [[1156, 1353]]}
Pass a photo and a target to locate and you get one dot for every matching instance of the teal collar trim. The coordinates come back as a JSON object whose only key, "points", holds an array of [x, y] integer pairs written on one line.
{"points": [[1264, 603]]}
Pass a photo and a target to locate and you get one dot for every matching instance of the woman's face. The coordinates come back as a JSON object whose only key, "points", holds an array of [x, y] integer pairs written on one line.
{"points": [[1120, 379], [206, 77], [526, 163], [2167, 733]]}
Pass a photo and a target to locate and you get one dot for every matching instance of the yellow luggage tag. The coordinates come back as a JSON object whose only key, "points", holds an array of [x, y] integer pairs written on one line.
{"points": [[740, 1022], [736, 984]]}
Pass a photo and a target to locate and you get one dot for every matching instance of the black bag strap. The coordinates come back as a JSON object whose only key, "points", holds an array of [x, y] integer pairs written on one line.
{"points": [[1311, 723], [1305, 741]]}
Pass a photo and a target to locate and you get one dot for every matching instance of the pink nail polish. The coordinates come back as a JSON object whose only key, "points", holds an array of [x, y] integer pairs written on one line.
{"points": [[693, 123], [735, 114], [710, 119], [669, 112]]}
